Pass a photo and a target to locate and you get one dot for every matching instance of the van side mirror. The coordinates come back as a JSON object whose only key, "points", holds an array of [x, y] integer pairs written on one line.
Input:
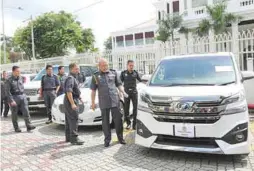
{"points": [[247, 75], [145, 78]]}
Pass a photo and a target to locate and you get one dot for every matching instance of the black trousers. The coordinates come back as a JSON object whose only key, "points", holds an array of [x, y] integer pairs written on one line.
{"points": [[22, 105], [134, 98], [49, 97], [5, 106], [117, 118], [71, 121]]}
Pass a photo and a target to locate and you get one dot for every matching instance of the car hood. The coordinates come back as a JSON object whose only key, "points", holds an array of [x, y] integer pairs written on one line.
{"points": [[195, 92], [85, 95], [32, 85]]}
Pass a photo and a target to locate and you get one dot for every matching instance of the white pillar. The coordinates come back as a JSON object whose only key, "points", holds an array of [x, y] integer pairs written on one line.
{"points": [[190, 47], [134, 42], [112, 41], [171, 7], [183, 44], [210, 2], [124, 43], [181, 6], [235, 44], [115, 42], [189, 7], [144, 38], [212, 42]]}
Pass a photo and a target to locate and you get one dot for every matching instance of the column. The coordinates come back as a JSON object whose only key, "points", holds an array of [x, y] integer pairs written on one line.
{"points": [[183, 44], [190, 47], [235, 44], [189, 7], [134, 42], [124, 43], [112, 41], [144, 38], [212, 42], [115, 43], [171, 7], [209, 2], [181, 7]]}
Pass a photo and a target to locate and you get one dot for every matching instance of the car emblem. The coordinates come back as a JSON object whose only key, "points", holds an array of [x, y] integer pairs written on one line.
{"points": [[183, 107]]}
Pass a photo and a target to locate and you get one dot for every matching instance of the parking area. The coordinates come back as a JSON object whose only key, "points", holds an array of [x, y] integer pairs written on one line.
{"points": [[45, 149]]}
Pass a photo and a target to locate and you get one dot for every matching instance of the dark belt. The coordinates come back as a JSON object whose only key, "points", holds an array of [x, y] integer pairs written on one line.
{"points": [[49, 89], [16, 94]]}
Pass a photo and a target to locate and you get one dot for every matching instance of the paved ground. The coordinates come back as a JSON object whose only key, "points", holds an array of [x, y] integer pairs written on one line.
{"points": [[45, 149]]}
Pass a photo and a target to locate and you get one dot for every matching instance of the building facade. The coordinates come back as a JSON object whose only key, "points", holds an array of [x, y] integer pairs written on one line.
{"points": [[193, 12]]}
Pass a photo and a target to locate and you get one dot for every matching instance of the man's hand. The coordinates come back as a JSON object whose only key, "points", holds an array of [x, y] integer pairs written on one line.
{"points": [[74, 107], [13, 103], [125, 95], [93, 106]]}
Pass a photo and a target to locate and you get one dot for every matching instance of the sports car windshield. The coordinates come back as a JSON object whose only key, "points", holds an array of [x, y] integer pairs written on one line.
{"points": [[212, 70]]}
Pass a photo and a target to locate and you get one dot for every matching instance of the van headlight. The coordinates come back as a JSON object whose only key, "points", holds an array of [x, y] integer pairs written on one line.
{"points": [[145, 103], [235, 104]]}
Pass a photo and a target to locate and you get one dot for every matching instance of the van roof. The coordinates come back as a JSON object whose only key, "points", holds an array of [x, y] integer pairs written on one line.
{"points": [[222, 54]]}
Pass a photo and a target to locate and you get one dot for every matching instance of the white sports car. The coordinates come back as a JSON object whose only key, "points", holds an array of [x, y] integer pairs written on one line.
{"points": [[87, 116]]}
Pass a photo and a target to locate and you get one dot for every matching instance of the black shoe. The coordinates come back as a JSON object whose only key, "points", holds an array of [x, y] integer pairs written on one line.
{"points": [[67, 140], [77, 141], [122, 142], [17, 130], [5, 116], [31, 127], [106, 144], [49, 122]]}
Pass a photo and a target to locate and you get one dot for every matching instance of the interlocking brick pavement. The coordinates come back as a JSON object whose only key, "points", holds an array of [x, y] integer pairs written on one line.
{"points": [[45, 149]]}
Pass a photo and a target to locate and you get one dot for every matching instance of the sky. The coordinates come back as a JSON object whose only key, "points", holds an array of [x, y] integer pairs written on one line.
{"points": [[103, 18]]}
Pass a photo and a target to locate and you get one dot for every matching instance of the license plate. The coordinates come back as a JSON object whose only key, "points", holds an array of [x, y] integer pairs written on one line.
{"points": [[184, 130]]}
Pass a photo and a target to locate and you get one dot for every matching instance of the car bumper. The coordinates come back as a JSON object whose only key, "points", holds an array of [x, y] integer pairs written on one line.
{"points": [[203, 138], [87, 118], [34, 100]]}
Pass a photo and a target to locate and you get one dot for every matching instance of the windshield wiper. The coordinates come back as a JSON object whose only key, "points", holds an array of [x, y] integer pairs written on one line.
{"points": [[227, 83], [190, 84]]}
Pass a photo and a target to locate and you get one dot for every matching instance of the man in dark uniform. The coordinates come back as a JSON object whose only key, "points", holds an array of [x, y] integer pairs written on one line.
{"points": [[17, 99], [4, 101], [107, 83], [61, 76], [71, 101], [129, 77], [49, 87]]}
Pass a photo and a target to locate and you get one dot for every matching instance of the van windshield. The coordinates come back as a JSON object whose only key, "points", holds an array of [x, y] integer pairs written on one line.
{"points": [[212, 70], [43, 72]]}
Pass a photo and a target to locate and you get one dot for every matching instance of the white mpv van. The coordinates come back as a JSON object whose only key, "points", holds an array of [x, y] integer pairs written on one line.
{"points": [[195, 103]]}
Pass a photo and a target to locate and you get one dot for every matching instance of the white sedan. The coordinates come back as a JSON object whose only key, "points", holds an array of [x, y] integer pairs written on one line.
{"points": [[87, 116]]}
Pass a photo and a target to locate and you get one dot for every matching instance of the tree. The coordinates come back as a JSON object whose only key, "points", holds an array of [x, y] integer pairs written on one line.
{"points": [[168, 26], [108, 43], [218, 19], [54, 35], [87, 42]]}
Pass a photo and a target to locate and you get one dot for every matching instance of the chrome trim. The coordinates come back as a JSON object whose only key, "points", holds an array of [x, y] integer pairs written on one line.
{"points": [[187, 149]]}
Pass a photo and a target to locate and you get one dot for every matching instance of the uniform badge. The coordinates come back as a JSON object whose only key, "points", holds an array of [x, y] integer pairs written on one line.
{"points": [[126, 75]]}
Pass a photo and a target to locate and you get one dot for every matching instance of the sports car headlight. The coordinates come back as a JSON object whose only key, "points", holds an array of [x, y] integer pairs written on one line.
{"points": [[145, 103], [235, 103]]}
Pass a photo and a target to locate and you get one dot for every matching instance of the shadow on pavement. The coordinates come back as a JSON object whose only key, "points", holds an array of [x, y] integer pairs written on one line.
{"points": [[78, 151], [59, 130], [47, 148]]}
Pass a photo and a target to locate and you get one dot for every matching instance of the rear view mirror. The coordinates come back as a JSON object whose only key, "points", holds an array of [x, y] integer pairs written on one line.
{"points": [[247, 75]]}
